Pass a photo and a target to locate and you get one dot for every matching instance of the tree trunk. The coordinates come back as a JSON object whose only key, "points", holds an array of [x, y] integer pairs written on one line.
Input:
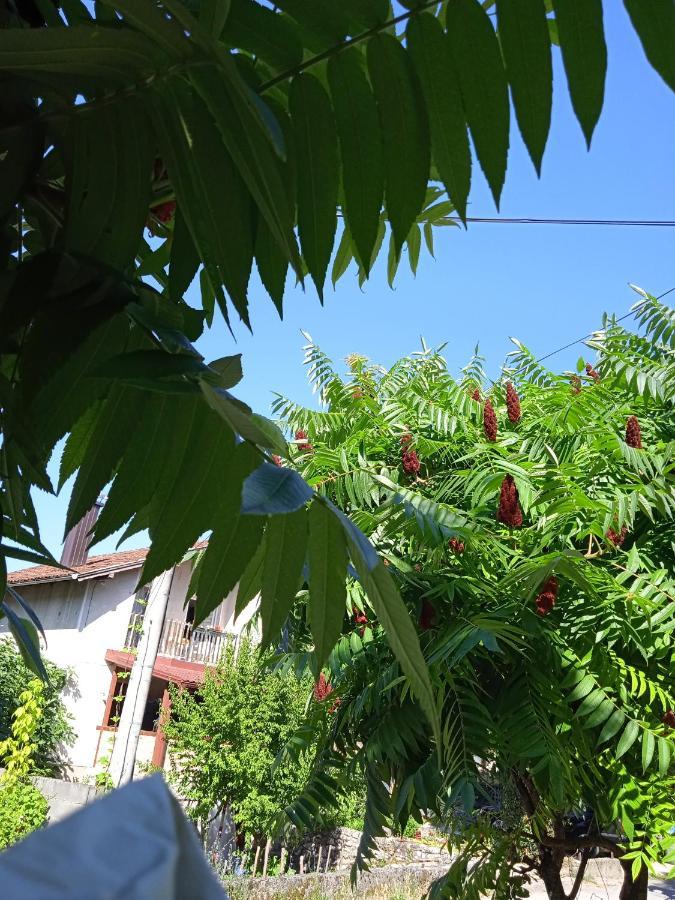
{"points": [[634, 889], [549, 869]]}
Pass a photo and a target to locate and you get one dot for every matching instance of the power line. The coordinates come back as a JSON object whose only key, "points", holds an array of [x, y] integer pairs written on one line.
{"points": [[499, 220], [582, 339]]}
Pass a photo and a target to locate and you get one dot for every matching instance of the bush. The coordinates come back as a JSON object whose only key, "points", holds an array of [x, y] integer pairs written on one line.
{"points": [[23, 810], [225, 737], [54, 731]]}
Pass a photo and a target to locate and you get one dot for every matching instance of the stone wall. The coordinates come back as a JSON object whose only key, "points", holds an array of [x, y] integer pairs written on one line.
{"points": [[338, 849], [64, 797]]}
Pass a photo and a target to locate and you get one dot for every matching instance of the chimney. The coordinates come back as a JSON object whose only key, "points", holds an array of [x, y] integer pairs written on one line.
{"points": [[76, 544]]}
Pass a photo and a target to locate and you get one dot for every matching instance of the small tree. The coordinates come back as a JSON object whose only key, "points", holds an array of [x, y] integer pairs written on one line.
{"points": [[225, 738], [22, 806], [529, 527], [53, 731]]}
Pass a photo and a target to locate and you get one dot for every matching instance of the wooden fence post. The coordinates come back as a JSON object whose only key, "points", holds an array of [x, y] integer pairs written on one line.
{"points": [[302, 865], [282, 861], [267, 856], [318, 861], [330, 847]]}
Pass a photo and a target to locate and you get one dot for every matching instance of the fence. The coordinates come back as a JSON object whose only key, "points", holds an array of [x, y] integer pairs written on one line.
{"points": [[180, 640]]}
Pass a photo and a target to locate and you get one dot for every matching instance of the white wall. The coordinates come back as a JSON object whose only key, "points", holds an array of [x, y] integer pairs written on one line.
{"points": [[83, 619]]}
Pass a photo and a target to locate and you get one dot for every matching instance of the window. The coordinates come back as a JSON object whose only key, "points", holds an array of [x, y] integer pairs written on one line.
{"points": [[115, 704]]}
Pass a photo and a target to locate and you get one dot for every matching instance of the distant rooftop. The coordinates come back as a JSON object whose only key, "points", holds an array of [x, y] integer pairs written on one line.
{"points": [[95, 566]]}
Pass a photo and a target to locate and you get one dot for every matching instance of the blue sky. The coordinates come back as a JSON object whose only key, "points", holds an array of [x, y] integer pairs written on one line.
{"points": [[546, 285]]}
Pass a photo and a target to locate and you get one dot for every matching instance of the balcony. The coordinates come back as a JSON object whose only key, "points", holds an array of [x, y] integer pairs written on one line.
{"points": [[180, 640]]}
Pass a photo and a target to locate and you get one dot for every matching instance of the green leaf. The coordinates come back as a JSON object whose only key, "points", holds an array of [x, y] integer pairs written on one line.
{"points": [[648, 745], [584, 687], [286, 544], [628, 737], [525, 43], [361, 150], [429, 48], [405, 132], [250, 583], [664, 756], [107, 56], [272, 264], [274, 490], [611, 727], [267, 35], [213, 15], [327, 556], [179, 517], [239, 417], [20, 152], [184, 260], [109, 438], [343, 257], [229, 370], [400, 631], [237, 114], [478, 62], [591, 703], [153, 454], [210, 192], [148, 364], [654, 21], [234, 539], [602, 712], [26, 637], [315, 140], [584, 53]]}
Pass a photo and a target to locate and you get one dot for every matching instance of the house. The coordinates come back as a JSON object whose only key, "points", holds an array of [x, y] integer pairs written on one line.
{"points": [[92, 615]]}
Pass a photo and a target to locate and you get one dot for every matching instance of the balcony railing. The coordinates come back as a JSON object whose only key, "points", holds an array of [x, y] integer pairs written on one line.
{"points": [[180, 640]]}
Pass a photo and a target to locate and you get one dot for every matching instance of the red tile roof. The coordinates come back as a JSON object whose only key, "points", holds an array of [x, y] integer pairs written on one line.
{"points": [[95, 565]]}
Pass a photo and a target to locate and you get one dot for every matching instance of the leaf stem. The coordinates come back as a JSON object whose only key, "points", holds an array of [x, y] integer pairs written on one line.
{"points": [[343, 45]]}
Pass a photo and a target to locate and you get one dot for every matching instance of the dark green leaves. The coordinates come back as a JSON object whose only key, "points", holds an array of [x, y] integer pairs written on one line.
{"points": [[361, 149], [327, 579], [234, 539], [315, 141], [179, 516], [286, 543], [405, 132], [392, 613], [478, 62], [654, 21], [272, 490], [430, 51], [584, 53], [217, 207], [525, 42]]}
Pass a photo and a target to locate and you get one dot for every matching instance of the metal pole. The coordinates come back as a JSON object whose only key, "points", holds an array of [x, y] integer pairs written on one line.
{"points": [[126, 742]]}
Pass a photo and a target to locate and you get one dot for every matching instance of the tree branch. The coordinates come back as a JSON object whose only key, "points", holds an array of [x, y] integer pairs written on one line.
{"points": [[343, 45], [573, 845]]}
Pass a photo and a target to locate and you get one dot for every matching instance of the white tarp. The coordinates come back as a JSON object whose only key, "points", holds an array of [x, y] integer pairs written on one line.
{"points": [[133, 844]]}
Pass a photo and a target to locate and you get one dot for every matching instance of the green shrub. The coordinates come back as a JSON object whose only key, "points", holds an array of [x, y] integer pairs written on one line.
{"points": [[225, 737], [53, 731], [23, 809]]}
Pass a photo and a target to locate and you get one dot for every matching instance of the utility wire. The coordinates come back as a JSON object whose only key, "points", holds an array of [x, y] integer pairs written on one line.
{"points": [[527, 221], [589, 334]]}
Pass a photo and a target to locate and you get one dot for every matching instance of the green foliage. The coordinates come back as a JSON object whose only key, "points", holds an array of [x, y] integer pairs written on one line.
{"points": [[572, 701], [227, 129], [224, 740], [23, 809], [53, 730], [22, 806]]}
